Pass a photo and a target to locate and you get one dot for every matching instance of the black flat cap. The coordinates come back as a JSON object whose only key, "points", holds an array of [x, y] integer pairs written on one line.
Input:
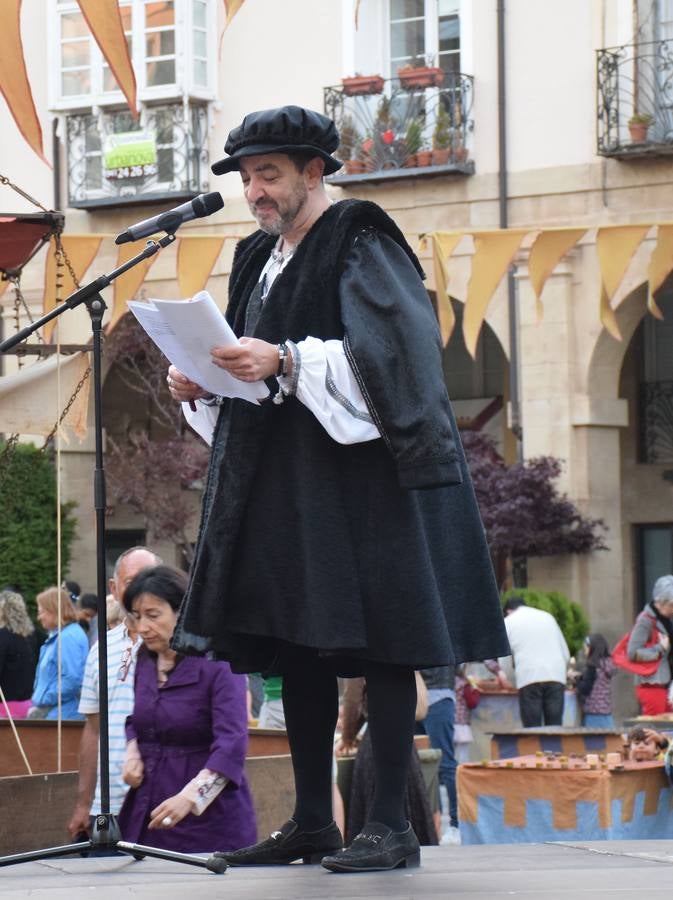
{"points": [[288, 129]]}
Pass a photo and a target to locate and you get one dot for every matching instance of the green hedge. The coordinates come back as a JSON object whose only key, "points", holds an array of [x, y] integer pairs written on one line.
{"points": [[570, 616], [28, 522]]}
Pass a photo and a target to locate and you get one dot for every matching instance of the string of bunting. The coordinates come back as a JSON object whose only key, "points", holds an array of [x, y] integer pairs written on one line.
{"points": [[495, 250]]}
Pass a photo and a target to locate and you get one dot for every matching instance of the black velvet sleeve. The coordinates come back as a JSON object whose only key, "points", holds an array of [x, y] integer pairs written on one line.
{"points": [[393, 345]]}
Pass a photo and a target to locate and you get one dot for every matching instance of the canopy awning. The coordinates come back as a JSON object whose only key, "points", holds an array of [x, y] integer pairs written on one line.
{"points": [[21, 236]]}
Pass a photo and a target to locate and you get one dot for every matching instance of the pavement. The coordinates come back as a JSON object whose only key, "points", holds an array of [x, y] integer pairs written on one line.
{"points": [[584, 871]]}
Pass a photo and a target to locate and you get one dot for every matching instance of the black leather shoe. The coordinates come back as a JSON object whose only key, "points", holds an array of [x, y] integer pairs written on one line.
{"points": [[377, 847], [286, 845]]}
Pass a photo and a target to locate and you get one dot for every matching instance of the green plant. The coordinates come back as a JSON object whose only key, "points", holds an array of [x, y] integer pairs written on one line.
{"points": [[641, 119], [384, 117], [413, 139], [28, 523], [571, 618], [441, 136]]}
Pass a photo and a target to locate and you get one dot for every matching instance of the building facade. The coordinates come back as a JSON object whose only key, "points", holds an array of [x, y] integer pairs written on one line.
{"points": [[572, 76]]}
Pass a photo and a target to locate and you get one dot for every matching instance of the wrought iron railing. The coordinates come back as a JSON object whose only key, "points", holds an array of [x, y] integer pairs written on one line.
{"points": [[635, 99], [402, 129], [168, 159], [656, 418]]}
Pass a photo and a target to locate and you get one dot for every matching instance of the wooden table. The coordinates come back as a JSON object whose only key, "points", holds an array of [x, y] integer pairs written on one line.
{"points": [[521, 800]]}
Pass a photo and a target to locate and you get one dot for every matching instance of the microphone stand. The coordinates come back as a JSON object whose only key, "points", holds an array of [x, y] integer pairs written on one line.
{"points": [[105, 833]]}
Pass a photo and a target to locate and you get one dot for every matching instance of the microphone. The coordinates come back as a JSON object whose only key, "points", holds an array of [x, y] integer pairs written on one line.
{"points": [[203, 205]]}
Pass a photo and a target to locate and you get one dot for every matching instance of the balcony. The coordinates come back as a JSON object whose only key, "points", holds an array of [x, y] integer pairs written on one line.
{"points": [[395, 130], [635, 100], [114, 160]]}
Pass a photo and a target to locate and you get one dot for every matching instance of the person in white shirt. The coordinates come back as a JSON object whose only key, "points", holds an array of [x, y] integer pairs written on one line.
{"points": [[541, 658], [121, 652]]}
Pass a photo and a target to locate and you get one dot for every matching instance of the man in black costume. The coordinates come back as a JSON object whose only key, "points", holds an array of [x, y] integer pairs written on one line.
{"points": [[339, 532]]}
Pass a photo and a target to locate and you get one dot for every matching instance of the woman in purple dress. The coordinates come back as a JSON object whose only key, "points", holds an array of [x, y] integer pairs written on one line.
{"points": [[186, 738]]}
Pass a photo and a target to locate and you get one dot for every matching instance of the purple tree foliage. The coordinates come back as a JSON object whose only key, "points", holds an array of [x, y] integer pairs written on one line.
{"points": [[522, 510]]}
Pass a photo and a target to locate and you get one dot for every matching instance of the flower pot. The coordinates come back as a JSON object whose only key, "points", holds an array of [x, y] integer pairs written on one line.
{"points": [[358, 85], [354, 166], [410, 162], [424, 158], [440, 156], [421, 77], [638, 132]]}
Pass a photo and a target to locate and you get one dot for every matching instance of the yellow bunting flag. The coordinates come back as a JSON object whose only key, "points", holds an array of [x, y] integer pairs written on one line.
{"points": [[196, 258], [615, 246], [80, 250], [443, 246], [231, 7], [14, 83], [3, 287], [104, 19], [661, 266], [493, 252], [546, 253], [127, 285]]}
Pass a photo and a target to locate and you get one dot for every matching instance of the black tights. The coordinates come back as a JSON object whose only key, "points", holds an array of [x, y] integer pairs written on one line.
{"points": [[310, 700]]}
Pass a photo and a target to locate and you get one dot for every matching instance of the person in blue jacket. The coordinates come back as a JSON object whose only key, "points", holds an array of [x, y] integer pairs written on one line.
{"points": [[74, 648]]}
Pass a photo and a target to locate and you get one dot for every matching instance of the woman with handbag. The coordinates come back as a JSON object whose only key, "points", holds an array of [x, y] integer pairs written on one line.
{"points": [[650, 641]]}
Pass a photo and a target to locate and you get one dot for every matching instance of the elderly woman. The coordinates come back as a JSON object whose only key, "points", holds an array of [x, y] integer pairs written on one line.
{"points": [[74, 646], [18, 655], [187, 736], [651, 640]]}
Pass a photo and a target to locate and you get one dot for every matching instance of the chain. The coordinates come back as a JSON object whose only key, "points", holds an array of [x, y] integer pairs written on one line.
{"points": [[63, 258], [4, 180], [78, 387], [20, 300], [6, 455]]}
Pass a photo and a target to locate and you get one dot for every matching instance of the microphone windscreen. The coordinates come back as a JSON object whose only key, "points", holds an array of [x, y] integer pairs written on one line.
{"points": [[205, 204]]}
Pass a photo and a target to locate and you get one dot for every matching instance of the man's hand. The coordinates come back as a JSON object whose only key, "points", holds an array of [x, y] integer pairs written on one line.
{"points": [[253, 360], [181, 388], [170, 812], [79, 821]]}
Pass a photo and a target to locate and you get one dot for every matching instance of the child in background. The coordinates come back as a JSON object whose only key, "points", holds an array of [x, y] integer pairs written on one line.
{"points": [[462, 732], [594, 687]]}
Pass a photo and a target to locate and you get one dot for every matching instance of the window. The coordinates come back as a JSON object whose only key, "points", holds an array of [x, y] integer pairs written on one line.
{"points": [[172, 46], [655, 557], [424, 31]]}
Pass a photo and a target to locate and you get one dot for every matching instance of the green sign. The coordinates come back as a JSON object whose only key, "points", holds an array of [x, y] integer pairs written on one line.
{"points": [[129, 150]]}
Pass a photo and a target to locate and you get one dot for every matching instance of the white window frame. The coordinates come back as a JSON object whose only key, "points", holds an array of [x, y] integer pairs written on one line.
{"points": [[183, 88], [431, 30]]}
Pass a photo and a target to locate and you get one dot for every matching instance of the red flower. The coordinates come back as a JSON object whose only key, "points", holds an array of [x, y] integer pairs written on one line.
{"points": [[388, 136]]}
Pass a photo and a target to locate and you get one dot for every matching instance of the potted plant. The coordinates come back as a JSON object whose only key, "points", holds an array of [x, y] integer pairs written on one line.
{"points": [[424, 157], [348, 140], [638, 125], [357, 85], [420, 76], [441, 137], [413, 140]]}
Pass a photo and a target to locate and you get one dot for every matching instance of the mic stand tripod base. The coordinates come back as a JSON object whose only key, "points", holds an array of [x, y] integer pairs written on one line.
{"points": [[105, 835]]}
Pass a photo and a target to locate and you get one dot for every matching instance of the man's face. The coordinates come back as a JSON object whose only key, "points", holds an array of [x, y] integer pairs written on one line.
{"points": [[129, 568], [276, 192]]}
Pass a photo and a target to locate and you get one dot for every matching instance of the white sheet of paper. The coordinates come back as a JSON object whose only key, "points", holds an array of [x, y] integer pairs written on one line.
{"points": [[185, 331]]}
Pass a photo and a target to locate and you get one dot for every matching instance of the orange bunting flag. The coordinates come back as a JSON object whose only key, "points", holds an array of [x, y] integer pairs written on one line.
{"points": [[615, 246], [493, 252], [661, 266], [105, 23], [80, 250], [127, 285], [196, 258], [14, 83], [546, 253]]}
